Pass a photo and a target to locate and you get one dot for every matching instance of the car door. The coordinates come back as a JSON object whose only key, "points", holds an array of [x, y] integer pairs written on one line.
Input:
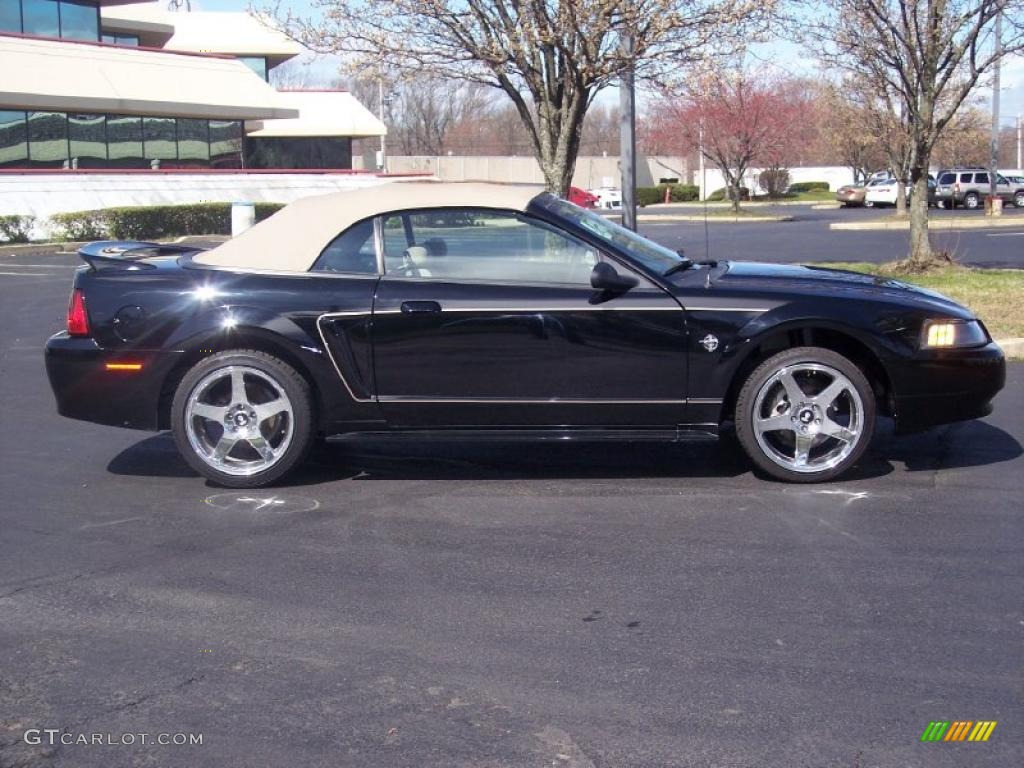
{"points": [[348, 270], [487, 318]]}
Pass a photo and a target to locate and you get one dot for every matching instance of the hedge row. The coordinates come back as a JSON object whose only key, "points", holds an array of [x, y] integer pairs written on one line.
{"points": [[719, 195], [16, 229], [678, 193], [148, 222], [808, 186]]}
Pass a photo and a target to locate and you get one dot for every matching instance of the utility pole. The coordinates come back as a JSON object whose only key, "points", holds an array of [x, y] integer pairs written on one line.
{"points": [[994, 158], [382, 161], [627, 136]]}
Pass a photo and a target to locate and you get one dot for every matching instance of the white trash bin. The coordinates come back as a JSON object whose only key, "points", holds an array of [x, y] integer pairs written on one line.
{"points": [[243, 216]]}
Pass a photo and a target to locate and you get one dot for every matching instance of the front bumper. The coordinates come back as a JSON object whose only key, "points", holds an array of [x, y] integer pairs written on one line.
{"points": [[943, 386], [86, 390]]}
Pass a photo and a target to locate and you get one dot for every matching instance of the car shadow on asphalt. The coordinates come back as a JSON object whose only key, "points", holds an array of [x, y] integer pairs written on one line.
{"points": [[966, 444]]}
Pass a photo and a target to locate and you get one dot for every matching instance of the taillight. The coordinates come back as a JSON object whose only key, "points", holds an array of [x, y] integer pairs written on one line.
{"points": [[78, 320]]}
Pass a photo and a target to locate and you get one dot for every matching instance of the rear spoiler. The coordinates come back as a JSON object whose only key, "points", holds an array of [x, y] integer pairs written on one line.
{"points": [[126, 254]]}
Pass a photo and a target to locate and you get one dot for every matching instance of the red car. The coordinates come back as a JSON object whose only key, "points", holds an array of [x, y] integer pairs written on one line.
{"points": [[582, 198]]}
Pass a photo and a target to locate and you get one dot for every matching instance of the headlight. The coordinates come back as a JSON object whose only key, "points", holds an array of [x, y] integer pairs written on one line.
{"points": [[938, 334]]}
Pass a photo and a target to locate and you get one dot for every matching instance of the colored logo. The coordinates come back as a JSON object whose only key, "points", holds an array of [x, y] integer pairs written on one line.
{"points": [[958, 730]]}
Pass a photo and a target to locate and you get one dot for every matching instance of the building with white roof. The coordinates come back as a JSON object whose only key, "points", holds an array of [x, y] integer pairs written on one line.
{"points": [[104, 85]]}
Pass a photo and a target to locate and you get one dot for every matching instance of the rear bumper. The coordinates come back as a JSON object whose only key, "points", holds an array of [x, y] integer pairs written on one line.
{"points": [[950, 385], [85, 389]]}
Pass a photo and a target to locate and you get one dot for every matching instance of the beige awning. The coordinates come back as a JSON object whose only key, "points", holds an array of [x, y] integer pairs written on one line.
{"points": [[321, 113], [237, 33], [65, 76]]}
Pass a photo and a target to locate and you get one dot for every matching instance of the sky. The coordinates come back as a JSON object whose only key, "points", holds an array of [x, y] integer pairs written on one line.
{"points": [[786, 56]]}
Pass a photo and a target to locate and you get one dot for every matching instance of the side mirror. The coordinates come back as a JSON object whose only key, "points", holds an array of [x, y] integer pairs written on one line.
{"points": [[605, 278]]}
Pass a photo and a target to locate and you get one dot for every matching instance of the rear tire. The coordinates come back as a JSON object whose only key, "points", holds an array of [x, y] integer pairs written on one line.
{"points": [[242, 418], [805, 415], [971, 200], [1018, 199]]}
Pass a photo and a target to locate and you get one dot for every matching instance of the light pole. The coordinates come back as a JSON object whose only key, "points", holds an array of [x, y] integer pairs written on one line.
{"points": [[994, 158], [382, 161], [627, 136]]}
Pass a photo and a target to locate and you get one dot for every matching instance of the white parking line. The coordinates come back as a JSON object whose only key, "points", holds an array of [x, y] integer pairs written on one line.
{"points": [[38, 266], [1008, 234], [27, 274]]}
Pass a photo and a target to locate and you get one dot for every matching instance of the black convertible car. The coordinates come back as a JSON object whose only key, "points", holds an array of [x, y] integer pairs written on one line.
{"points": [[498, 311]]}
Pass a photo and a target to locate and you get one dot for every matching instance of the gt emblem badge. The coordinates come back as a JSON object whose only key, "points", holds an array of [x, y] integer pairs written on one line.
{"points": [[709, 342]]}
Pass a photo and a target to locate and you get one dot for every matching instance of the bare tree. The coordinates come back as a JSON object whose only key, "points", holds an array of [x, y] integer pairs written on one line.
{"points": [[421, 112], [550, 57], [926, 57], [846, 133]]}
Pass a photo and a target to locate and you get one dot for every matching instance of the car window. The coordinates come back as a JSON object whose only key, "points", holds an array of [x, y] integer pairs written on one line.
{"points": [[965, 178], [981, 178], [353, 251], [1001, 180], [482, 244], [947, 178]]}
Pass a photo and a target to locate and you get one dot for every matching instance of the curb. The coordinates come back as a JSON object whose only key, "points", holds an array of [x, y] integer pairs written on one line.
{"points": [[670, 217], [745, 203], [933, 225], [1013, 348]]}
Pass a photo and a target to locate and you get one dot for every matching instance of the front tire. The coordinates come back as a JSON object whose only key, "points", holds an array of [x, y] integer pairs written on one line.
{"points": [[805, 415], [1018, 199], [971, 200], [242, 418]]}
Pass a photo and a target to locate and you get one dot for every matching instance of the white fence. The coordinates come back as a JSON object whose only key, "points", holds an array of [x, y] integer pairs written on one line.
{"points": [[591, 171], [835, 175]]}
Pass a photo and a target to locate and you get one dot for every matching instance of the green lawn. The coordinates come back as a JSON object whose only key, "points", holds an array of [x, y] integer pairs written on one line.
{"points": [[995, 295], [811, 196]]}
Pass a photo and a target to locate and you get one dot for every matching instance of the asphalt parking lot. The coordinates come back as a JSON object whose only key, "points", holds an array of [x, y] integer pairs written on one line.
{"points": [[459, 605], [809, 239]]}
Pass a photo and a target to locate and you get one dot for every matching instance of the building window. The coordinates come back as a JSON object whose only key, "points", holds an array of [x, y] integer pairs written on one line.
{"points": [[305, 152], [159, 138], [10, 16], [13, 139], [79, 20], [71, 19], [193, 142], [47, 139], [60, 140], [124, 142], [112, 39], [40, 17], [225, 143], [257, 64], [87, 140]]}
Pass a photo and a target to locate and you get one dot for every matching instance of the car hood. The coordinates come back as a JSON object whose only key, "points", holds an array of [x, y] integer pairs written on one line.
{"points": [[823, 282]]}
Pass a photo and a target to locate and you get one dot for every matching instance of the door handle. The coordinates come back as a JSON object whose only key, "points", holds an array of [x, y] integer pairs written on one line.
{"points": [[421, 308]]}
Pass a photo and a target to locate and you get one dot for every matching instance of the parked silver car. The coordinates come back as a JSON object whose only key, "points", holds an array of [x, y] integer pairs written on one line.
{"points": [[968, 187]]}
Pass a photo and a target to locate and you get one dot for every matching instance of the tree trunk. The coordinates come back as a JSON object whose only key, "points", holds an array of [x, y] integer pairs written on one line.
{"points": [[901, 198], [920, 244], [558, 171], [734, 193]]}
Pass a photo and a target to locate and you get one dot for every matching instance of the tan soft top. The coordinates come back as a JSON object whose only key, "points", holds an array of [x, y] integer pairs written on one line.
{"points": [[292, 239]]}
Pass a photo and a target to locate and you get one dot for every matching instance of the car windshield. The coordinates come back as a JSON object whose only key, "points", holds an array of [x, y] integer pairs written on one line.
{"points": [[651, 255]]}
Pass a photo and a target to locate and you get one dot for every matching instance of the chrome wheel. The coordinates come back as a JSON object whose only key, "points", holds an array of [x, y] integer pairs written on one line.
{"points": [[239, 420], [808, 417]]}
